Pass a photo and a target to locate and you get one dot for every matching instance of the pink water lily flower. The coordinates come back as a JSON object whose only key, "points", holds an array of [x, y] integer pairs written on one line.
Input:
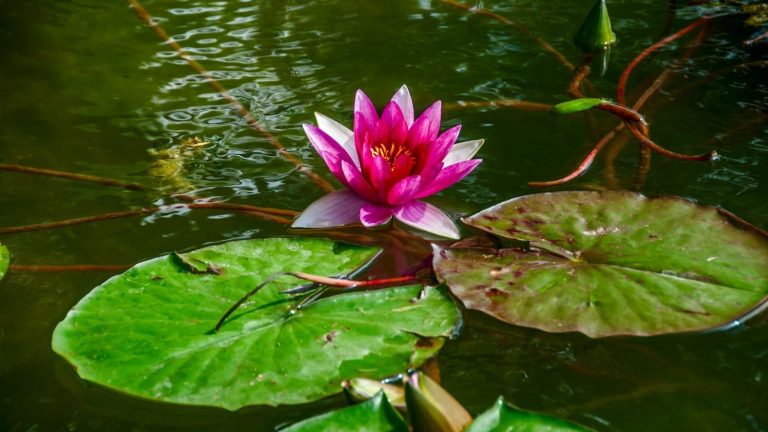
{"points": [[388, 164]]}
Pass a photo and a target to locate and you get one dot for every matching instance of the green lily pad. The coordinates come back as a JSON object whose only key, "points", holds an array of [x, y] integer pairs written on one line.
{"points": [[611, 263], [375, 414], [148, 332], [5, 259], [504, 418]]}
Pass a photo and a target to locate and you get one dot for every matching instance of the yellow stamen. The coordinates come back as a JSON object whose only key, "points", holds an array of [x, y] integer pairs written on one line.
{"points": [[391, 153]]}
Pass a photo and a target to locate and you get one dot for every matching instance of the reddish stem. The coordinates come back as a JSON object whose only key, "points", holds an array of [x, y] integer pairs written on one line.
{"points": [[621, 88], [643, 138]]}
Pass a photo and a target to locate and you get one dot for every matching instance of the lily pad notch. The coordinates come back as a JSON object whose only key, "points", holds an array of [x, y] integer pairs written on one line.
{"points": [[147, 332]]}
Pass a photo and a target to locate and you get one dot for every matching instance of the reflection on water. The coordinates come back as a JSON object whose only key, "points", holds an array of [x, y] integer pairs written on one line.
{"points": [[88, 88]]}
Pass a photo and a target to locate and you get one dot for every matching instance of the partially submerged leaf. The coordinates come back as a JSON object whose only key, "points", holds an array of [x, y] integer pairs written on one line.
{"points": [[376, 414], [576, 105], [148, 333], [5, 259], [504, 418], [611, 263]]}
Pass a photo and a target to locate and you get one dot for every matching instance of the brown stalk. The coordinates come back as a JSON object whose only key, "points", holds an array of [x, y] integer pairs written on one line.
{"points": [[72, 176], [145, 17], [274, 215], [519, 28]]}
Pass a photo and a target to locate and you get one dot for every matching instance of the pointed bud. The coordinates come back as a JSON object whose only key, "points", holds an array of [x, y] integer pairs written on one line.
{"points": [[595, 33], [433, 409]]}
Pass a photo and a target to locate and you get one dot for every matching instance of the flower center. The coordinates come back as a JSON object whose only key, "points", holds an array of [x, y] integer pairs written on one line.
{"points": [[391, 152]]}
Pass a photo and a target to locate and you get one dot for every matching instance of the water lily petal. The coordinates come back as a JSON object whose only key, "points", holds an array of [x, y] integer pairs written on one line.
{"points": [[435, 153], [380, 176], [355, 180], [331, 152], [340, 133], [448, 176], [403, 99], [462, 151], [365, 119], [426, 127], [402, 167], [372, 215], [404, 190], [395, 127], [427, 217], [335, 209]]}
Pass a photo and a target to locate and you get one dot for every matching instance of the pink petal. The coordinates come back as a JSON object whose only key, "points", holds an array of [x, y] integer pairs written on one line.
{"points": [[447, 177], [462, 151], [372, 215], [339, 133], [364, 106], [335, 209], [435, 153], [361, 133], [404, 190], [403, 166], [427, 217], [395, 127], [354, 178], [380, 176], [331, 152], [426, 127], [403, 99]]}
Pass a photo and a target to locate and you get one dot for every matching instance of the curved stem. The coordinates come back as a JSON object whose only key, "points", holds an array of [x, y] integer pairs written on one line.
{"points": [[580, 169], [72, 176], [621, 87], [145, 17], [643, 138], [520, 29]]}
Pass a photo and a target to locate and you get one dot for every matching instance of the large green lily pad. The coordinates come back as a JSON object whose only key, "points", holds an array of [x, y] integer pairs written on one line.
{"points": [[148, 332], [504, 418], [374, 415], [5, 259], [611, 263]]}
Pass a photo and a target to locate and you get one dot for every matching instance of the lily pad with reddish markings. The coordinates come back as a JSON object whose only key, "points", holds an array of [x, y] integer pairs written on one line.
{"points": [[611, 263]]}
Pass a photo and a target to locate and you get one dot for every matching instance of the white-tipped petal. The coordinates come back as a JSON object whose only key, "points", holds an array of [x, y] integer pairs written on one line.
{"points": [[461, 152], [427, 217], [335, 209], [403, 99], [340, 133]]}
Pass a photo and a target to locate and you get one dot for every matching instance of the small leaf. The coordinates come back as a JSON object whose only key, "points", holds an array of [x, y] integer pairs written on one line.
{"points": [[431, 408], [376, 414], [193, 265], [577, 105], [5, 259], [148, 332], [611, 263], [503, 417], [595, 33]]}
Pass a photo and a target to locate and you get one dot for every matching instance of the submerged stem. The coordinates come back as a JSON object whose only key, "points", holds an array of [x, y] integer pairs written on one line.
{"points": [[145, 17], [72, 176]]}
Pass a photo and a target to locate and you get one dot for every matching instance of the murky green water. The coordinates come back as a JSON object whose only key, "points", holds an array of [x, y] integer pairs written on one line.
{"points": [[86, 87]]}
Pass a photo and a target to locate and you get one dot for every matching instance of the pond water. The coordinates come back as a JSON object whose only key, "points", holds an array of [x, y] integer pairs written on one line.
{"points": [[88, 88]]}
